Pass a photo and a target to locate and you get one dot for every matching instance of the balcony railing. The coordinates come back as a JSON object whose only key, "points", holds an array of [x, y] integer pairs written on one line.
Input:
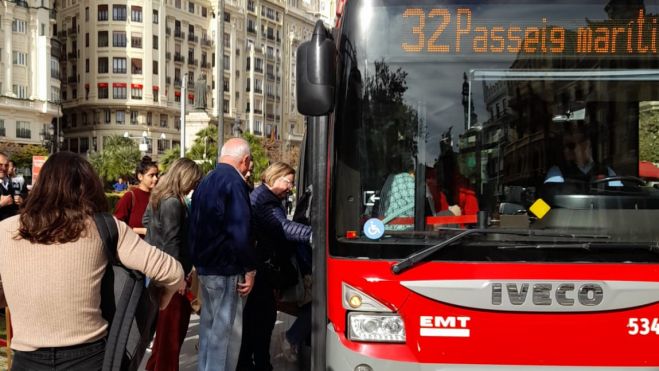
{"points": [[190, 84], [179, 58], [193, 38], [72, 32], [61, 34], [72, 55], [72, 79], [53, 14], [178, 34], [206, 42], [177, 83], [192, 62], [205, 64]]}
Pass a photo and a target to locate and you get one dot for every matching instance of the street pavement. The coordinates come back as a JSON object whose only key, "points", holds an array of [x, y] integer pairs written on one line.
{"points": [[188, 358]]}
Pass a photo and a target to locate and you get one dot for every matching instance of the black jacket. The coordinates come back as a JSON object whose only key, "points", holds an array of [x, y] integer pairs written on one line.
{"points": [[273, 231], [167, 229], [12, 209]]}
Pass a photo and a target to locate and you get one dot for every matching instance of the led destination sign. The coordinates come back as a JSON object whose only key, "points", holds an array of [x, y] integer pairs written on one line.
{"points": [[445, 31]]}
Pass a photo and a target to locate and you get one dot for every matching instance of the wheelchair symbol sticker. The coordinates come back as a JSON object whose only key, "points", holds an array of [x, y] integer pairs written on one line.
{"points": [[374, 228]]}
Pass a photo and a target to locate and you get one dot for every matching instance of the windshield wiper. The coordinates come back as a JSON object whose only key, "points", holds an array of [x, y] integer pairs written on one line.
{"points": [[421, 255]]}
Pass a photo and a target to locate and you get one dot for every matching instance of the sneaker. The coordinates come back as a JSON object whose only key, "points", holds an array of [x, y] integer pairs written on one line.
{"points": [[288, 350]]}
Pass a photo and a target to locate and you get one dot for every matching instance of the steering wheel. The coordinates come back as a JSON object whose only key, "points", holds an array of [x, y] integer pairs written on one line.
{"points": [[633, 179]]}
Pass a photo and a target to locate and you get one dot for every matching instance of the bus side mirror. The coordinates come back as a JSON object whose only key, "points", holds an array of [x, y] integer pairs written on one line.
{"points": [[316, 74]]}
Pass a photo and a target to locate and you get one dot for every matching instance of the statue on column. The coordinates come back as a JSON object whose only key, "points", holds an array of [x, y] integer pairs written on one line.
{"points": [[200, 93]]}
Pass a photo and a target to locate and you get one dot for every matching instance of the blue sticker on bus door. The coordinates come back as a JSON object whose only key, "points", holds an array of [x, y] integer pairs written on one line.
{"points": [[374, 228]]}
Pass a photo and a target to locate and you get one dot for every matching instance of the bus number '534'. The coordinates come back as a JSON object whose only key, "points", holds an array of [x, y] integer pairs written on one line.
{"points": [[643, 326]]}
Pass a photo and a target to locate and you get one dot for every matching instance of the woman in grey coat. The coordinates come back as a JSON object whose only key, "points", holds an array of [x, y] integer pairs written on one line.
{"points": [[166, 221]]}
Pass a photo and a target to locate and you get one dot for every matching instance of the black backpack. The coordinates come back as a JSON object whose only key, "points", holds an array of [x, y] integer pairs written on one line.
{"points": [[129, 307]]}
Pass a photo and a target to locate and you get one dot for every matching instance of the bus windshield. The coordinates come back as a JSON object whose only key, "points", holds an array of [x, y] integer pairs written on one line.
{"points": [[537, 113]]}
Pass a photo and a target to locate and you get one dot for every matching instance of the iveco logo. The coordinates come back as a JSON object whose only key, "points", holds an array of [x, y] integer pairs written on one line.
{"points": [[565, 294]]}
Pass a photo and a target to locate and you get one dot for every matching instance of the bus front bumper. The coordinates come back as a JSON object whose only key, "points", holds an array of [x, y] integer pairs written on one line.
{"points": [[340, 358]]}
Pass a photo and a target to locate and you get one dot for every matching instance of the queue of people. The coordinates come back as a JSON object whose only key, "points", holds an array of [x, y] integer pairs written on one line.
{"points": [[234, 239]]}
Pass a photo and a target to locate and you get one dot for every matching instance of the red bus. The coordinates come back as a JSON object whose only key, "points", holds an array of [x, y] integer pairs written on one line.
{"points": [[476, 196]]}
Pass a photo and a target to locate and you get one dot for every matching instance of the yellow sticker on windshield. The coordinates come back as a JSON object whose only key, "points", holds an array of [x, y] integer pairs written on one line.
{"points": [[540, 208]]}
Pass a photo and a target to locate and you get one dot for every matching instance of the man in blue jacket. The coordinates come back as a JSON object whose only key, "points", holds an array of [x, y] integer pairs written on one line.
{"points": [[222, 252]]}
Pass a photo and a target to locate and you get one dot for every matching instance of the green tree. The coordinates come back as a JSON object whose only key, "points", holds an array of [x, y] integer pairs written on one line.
{"points": [[204, 148], [119, 158], [170, 155], [259, 156], [648, 136], [22, 155]]}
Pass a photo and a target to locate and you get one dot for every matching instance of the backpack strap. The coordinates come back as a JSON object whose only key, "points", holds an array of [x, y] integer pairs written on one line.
{"points": [[107, 229]]}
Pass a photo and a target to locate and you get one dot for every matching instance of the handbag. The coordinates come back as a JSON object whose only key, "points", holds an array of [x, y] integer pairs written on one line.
{"points": [[281, 272]]}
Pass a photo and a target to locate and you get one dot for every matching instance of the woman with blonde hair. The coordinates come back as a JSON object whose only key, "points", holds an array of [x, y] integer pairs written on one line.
{"points": [[276, 242], [166, 221], [52, 262]]}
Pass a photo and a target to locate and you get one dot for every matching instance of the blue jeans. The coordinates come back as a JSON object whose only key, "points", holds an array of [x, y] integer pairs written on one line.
{"points": [[221, 323], [84, 357]]}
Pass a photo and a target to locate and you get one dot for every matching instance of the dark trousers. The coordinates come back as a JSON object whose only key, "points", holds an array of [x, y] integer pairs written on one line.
{"points": [[84, 357], [171, 329], [259, 318]]}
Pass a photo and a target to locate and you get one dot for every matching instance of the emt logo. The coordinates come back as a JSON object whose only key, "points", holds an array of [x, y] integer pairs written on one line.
{"points": [[449, 326]]}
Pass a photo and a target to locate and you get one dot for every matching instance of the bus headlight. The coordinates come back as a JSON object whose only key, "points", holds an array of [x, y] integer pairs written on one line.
{"points": [[376, 327]]}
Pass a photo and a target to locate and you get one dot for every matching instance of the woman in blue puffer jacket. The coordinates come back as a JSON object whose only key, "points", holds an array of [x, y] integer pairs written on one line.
{"points": [[276, 240]]}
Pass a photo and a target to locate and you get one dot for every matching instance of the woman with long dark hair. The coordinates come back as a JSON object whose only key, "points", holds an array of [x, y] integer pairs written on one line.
{"points": [[52, 262], [130, 208], [166, 220]]}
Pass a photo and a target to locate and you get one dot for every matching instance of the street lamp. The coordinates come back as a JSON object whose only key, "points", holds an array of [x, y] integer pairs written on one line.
{"points": [[144, 145], [49, 139]]}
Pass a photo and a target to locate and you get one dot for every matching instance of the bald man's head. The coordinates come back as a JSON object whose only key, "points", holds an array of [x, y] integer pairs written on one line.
{"points": [[236, 153]]}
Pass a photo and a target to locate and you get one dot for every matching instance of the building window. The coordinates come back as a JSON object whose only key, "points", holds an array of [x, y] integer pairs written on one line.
{"points": [[155, 67], [120, 117], [227, 63], [155, 16], [84, 145], [87, 40], [102, 12], [87, 65], [204, 12], [149, 119], [136, 13], [102, 39], [103, 92], [191, 7], [103, 65], [155, 95], [155, 42], [20, 91], [107, 115], [136, 40], [163, 145], [18, 25], [119, 92], [119, 65], [177, 124], [54, 94], [133, 117], [163, 121], [19, 58], [23, 130], [3, 131], [136, 66], [119, 38], [118, 12], [177, 4], [136, 93]]}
